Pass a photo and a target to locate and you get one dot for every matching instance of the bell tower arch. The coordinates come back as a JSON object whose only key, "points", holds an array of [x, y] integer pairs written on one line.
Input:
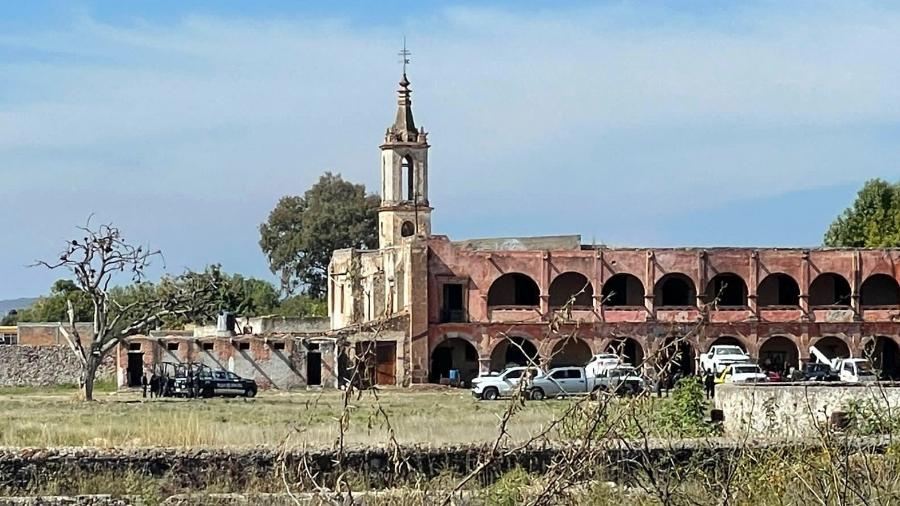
{"points": [[405, 211]]}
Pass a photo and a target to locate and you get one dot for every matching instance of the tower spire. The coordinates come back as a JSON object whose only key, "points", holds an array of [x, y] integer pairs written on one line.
{"points": [[404, 127]]}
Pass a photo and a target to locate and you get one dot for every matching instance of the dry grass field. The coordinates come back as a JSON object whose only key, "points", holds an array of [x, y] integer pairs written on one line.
{"points": [[36, 417]]}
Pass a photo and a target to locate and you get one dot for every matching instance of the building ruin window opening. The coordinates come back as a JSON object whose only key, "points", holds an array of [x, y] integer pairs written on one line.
{"points": [[453, 309], [208, 346], [407, 170], [675, 290], [513, 290], [879, 290], [778, 289], [172, 346], [623, 290], [569, 284], [730, 290], [243, 345], [313, 366], [829, 290], [278, 346], [407, 229]]}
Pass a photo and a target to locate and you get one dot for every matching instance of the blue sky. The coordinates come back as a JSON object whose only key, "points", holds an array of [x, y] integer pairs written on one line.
{"points": [[630, 123]]}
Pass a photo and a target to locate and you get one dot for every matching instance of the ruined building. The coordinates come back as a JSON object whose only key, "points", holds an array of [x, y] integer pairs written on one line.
{"points": [[455, 301]]}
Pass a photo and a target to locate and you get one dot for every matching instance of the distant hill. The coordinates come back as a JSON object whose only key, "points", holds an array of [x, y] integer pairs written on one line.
{"points": [[8, 305]]}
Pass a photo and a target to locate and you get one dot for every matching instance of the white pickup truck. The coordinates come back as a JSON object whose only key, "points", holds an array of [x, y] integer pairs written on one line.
{"points": [[851, 370], [495, 386], [720, 356], [567, 381]]}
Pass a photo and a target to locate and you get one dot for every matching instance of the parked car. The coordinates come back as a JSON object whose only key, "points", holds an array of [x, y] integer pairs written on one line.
{"points": [[721, 356], [816, 371], [600, 362], [774, 376], [742, 373], [212, 383], [495, 386], [568, 381]]}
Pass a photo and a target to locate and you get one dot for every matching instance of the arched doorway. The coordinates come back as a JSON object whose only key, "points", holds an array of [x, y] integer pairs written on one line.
{"points": [[513, 351], [727, 290], [453, 354], [778, 289], [513, 290], [833, 347], [829, 289], [568, 285], [779, 353], [623, 290], [678, 356], [675, 290], [884, 355], [879, 290], [629, 350], [570, 351]]}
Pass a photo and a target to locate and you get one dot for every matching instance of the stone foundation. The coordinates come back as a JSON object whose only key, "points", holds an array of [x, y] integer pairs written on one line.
{"points": [[43, 366]]}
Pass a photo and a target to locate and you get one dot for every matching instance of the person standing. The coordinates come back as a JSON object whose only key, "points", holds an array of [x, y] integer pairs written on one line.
{"points": [[709, 381], [144, 382]]}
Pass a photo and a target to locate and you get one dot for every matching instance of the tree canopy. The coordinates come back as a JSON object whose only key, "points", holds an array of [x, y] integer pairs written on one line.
{"points": [[873, 221], [302, 231]]}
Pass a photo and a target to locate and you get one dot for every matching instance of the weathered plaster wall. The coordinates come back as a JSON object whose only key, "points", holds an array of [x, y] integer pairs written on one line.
{"points": [[795, 410]]}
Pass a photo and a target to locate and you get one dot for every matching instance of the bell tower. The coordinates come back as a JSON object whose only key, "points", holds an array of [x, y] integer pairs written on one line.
{"points": [[404, 211]]}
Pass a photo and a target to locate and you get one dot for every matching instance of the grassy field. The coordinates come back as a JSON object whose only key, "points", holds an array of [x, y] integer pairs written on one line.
{"points": [[35, 417]]}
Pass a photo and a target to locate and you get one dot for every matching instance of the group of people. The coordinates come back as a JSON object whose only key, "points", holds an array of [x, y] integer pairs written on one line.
{"points": [[157, 384], [667, 381]]}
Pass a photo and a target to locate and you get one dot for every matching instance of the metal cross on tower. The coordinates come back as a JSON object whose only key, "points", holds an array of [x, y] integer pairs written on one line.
{"points": [[404, 55]]}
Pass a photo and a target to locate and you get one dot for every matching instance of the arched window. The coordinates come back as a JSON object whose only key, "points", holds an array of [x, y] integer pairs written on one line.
{"points": [[623, 290], [829, 289], [512, 290], [568, 285], [407, 229], [407, 172], [879, 290], [675, 290], [778, 289], [728, 289]]}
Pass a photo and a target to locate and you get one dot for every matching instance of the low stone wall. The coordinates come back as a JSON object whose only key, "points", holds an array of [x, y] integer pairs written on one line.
{"points": [[43, 366], [195, 468], [797, 409]]}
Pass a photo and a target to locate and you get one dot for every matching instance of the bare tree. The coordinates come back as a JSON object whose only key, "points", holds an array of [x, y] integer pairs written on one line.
{"points": [[100, 259]]}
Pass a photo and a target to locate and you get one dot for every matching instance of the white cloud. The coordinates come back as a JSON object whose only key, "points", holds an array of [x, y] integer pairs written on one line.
{"points": [[624, 107]]}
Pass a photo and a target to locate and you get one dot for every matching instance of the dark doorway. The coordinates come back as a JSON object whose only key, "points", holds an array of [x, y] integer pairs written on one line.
{"points": [[313, 368], [135, 368], [513, 351], [629, 351], [727, 290], [453, 309], [678, 356], [884, 355], [675, 290], [623, 290], [454, 354]]}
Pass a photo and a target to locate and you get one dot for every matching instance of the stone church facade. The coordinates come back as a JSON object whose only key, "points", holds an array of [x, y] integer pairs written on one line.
{"points": [[459, 304]]}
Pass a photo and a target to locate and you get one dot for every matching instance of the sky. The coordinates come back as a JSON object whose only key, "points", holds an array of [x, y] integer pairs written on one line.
{"points": [[630, 123]]}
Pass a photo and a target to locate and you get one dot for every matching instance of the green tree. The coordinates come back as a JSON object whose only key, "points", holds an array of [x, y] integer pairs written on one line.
{"points": [[301, 232], [302, 306], [873, 221], [54, 307]]}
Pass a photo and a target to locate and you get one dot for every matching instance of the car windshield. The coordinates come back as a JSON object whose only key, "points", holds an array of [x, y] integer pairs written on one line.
{"points": [[729, 350], [817, 367]]}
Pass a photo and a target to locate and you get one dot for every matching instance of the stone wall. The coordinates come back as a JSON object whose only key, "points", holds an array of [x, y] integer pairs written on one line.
{"points": [[43, 366], [796, 410]]}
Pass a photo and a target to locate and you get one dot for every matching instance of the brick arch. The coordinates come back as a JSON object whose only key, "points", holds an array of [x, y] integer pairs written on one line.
{"points": [[504, 352], [623, 289], [435, 340], [832, 347], [732, 289], [879, 289], [779, 352], [675, 282], [778, 289], [454, 356]]}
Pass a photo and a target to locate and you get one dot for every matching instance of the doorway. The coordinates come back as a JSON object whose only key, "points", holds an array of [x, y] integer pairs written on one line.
{"points": [[385, 361], [313, 368], [135, 368]]}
